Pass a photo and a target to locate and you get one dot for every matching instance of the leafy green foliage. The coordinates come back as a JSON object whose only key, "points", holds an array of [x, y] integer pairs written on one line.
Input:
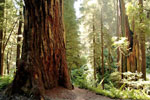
{"points": [[78, 76], [135, 81], [73, 45], [134, 11], [115, 78], [122, 44], [130, 81], [148, 56], [9, 40], [106, 77], [5, 81], [113, 92]]}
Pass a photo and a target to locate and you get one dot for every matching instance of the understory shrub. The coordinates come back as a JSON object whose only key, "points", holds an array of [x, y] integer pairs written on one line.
{"points": [[5, 81], [130, 87], [78, 76], [135, 81]]}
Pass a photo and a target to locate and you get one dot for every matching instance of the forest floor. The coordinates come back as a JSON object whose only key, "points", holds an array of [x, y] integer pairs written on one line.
{"points": [[76, 94], [60, 93]]}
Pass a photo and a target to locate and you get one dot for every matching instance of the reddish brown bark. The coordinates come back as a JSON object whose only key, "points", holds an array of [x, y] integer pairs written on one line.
{"points": [[1, 35], [122, 20], [135, 59], [130, 56], [128, 59], [43, 63]]}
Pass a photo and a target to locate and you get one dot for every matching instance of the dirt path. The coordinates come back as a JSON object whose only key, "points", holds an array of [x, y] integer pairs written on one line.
{"points": [[60, 93], [76, 94], [82, 94]]}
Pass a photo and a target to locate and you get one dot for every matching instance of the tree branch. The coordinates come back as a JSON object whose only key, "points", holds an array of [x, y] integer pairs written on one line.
{"points": [[5, 44]]}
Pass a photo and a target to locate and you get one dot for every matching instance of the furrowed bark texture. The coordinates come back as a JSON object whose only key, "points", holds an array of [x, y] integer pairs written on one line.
{"points": [[43, 62]]}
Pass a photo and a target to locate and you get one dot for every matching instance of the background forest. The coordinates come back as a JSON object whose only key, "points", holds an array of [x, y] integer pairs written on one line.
{"points": [[107, 45]]}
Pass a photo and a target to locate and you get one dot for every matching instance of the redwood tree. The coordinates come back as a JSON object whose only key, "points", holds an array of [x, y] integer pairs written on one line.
{"points": [[135, 59], [43, 61], [1, 35], [127, 59]]}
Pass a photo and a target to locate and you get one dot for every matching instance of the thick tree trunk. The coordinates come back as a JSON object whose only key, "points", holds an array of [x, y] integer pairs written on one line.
{"points": [[122, 58], [43, 63], [131, 52], [133, 56], [1, 35], [128, 60], [135, 59], [136, 48]]}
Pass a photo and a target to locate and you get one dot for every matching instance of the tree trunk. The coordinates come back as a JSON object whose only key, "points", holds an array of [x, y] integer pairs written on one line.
{"points": [[9, 53], [118, 35], [135, 59], [131, 54], [43, 61], [109, 59], [1, 36], [122, 58], [94, 51], [19, 40], [127, 60], [8, 62], [102, 49], [142, 43]]}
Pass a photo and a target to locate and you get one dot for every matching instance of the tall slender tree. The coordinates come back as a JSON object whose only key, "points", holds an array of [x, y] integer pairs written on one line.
{"points": [[91, 23], [142, 42], [94, 48], [2, 2], [102, 49], [73, 45]]}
